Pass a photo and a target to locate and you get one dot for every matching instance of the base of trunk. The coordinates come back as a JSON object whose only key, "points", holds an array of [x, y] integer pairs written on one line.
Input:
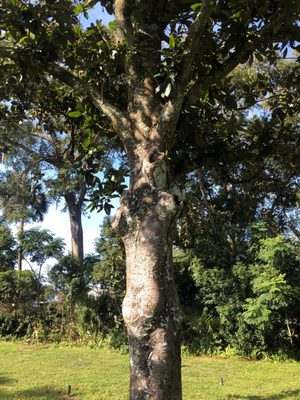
{"points": [[155, 366], [151, 308]]}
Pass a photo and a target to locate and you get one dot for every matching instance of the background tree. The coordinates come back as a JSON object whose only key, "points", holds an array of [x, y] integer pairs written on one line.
{"points": [[8, 250], [39, 245], [23, 297], [51, 134], [109, 271], [21, 200]]}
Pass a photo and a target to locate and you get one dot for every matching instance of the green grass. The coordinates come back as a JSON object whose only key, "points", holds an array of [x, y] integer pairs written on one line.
{"points": [[43, 372]]}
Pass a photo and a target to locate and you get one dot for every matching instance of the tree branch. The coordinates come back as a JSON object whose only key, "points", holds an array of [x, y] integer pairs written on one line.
{"points": [[259, 101], [117, 118], [250, 45], [90, 3], [52, 160], [243, 52], [295, 231], [82, 192], [193, 40], [42, 136], [124, 25], [172, 108]]}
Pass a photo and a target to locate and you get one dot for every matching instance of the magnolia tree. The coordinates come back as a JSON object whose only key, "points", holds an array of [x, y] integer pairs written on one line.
{"points": [[156, 68]]}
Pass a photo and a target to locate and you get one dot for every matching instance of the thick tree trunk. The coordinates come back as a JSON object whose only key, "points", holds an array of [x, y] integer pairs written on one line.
{"points": [[147, 216], [75, 213], [151, 309]]}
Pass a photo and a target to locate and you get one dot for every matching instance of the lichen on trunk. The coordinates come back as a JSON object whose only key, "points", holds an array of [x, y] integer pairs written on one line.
{"points": [[151, 309]]}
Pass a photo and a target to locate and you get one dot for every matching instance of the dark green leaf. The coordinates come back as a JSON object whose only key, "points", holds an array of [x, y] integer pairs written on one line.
{"points": [[259, 57], [107, 208], [236, 15], [78, 9]]}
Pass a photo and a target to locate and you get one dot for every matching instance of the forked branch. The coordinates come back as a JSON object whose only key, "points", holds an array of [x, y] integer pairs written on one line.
{"points": [[243, 52], [193, 40]]}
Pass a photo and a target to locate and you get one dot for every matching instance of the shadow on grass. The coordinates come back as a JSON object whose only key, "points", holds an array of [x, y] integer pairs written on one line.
{"points": [[283, 395], [5, 379], [36, 394]]}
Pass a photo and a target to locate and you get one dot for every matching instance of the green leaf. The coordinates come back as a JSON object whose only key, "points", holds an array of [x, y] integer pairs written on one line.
{"points": [[250, 61], [107, 208], [23, 39], [77, 29], [195, 6], [172, 41], [78, 9], [167, 90], [112, 25], [74, 114], [236, 15], [278, 112], [259, 57], [14, 2]]}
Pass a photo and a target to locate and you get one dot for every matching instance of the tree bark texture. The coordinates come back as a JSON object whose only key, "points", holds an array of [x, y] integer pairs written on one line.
{"points": [[75, 212], [151, 310]]}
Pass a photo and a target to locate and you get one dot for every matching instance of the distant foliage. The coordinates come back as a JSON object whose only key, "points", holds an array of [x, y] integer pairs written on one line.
{"points": [[251, 306]]}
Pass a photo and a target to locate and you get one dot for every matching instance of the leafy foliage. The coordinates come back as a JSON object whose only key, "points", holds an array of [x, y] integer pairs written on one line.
{"points": [[8, 251]]}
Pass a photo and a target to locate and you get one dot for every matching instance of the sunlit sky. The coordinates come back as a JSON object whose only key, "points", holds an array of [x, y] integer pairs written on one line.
{"points": [[56, 220]]}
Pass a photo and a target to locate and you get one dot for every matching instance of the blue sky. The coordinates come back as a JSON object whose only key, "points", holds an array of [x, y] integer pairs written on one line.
{"points": [[95, 13]]}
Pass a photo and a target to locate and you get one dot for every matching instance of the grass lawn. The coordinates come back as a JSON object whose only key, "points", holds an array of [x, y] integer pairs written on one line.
{"points": [[44, 372]]}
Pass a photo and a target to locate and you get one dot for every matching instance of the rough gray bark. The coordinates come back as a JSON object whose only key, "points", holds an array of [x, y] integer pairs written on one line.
{"points": [[151, 309]]}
